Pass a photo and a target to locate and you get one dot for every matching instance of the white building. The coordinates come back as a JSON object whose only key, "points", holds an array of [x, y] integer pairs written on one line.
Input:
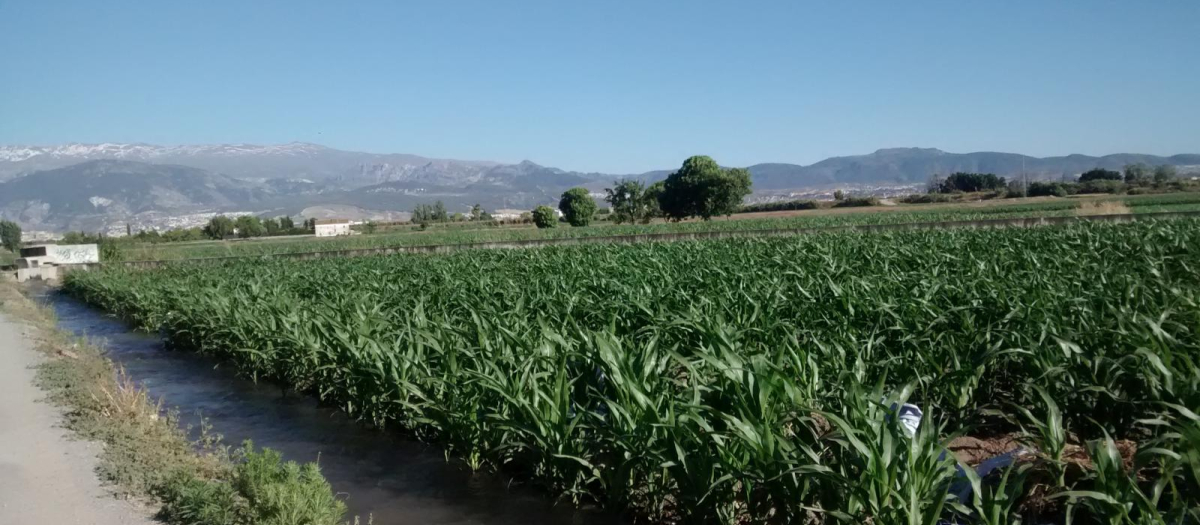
{"points": [[331, 227], [41, 261]]}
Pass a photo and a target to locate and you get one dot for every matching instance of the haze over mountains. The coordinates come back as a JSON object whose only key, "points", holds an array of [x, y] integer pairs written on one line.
{"points": [[97, 186]]}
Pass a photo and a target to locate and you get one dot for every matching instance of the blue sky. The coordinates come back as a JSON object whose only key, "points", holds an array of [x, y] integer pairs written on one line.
{"points": [[614, 86]]}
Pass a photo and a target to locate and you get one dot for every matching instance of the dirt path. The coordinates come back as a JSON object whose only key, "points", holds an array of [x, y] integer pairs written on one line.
{"points": [[45, 477]]}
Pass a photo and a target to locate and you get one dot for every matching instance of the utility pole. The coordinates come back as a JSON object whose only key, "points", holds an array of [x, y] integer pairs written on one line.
{"points": [[1025, 179]]}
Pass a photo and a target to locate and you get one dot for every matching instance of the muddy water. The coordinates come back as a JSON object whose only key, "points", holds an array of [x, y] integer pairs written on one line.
{"points": [[380, 474]]}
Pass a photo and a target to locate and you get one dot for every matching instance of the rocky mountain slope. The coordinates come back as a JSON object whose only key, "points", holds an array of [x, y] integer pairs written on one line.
{"points": [[292, 161], [83, 195]]}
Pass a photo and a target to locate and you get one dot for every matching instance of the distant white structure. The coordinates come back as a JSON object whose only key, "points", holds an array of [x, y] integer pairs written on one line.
{"points": [[41, 261], [331, 227]]}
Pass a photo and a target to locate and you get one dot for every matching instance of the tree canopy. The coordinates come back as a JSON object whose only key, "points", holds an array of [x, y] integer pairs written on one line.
{"points": [[249, 226], [702, 188], [625, 197], [10, 236], [1136, 172], [544, 217], [632, 201], [1100, 174], [219, 227], [1164, 173], [425, 213], [577, 206], [969, 182]]}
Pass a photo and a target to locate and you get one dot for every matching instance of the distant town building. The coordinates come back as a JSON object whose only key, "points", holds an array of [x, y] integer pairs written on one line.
{"points": [[331, 227]]}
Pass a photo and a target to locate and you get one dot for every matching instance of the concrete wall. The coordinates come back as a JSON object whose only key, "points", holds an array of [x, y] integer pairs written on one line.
{"points": [[667, 237], [44, 273]]}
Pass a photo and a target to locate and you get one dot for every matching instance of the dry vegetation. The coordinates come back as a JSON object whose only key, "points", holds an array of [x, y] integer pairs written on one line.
{"points": [[148, 456]]}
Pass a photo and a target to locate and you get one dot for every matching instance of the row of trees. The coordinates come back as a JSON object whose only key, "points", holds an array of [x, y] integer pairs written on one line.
{"points": [[1139, 174], [969, 182], [10, 236], [247, 226], [1133, 174], [425, 213], [699, 188]]}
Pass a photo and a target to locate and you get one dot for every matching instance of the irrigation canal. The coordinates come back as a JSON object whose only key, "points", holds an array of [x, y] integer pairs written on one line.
{"points": [[393, 479]]}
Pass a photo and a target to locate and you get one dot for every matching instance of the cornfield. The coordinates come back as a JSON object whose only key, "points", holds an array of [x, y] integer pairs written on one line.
{"points": [[749, 379]]}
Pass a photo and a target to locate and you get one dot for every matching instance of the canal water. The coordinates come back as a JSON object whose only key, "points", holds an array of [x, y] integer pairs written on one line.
{"points": [[380, 474]]}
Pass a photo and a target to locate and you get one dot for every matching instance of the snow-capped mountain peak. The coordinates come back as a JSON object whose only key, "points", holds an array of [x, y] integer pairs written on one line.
{"points": [[138, 151]]}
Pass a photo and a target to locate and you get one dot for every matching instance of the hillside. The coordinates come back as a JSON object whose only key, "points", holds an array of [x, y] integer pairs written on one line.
{"points": [[311, 169], [101, 191], [915, 165]]}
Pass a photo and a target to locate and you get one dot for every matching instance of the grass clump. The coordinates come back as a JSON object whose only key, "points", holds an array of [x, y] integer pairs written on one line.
{"points": [[263, 489], [854, 202]]}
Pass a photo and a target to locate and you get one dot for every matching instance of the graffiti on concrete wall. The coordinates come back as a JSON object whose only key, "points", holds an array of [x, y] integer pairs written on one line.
{"points": [[76, 254]]}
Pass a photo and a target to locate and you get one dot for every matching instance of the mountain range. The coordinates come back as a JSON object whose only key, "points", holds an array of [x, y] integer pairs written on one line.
{"points": [[96, 186]]}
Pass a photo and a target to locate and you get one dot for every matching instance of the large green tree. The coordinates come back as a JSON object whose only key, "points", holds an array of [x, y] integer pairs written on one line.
{"points": [[249, 226], [1164, 173], [219, 227], [702, 188], [577, 206], [10, 236], [1137, 173], [626, 200]]}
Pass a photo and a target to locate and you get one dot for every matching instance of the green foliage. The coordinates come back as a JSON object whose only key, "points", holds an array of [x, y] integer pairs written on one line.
{"points": [[10, 236], [839, 195], [271, 227], [1100, 174], [926, 198], [779, 206], [424, 213], [577, 206], [219, 227], [544, 217], [264, 490], [740, 380], [627, 200], [249, 226], [1135, 173], [850, 202], [971, 182], [651, 209], [702, 188], [1100, 186], [188, 500], [1164, 173], [1047, 189]]}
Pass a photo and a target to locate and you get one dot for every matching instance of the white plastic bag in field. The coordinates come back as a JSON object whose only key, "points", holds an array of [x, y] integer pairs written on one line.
{"points": [[910, 416]]}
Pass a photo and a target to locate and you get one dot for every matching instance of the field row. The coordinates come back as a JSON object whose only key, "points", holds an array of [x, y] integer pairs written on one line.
{"points": [[748, 379], [806, 219]]}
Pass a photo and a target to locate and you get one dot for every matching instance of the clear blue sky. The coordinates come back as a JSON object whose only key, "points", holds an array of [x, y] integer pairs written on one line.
{"points": [[615, 86]]}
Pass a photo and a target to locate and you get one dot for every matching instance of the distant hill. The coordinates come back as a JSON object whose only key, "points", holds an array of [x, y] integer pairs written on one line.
{"points": [[915, 165], [296, 160], [80, 195], [312, 168], [90, 186]]}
